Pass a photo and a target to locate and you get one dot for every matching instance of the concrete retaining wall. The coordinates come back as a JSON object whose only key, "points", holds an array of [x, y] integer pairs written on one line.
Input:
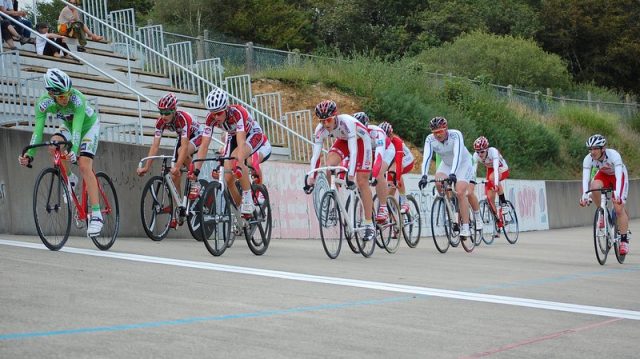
{"points": [[540, 205]]}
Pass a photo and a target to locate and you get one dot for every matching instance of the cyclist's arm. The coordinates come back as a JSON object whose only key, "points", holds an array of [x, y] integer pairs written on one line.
{"points": [[78, 121], [496, 168], [319, 136], [586, 171], [474, 163], [458, 147], [202, 151], [36, 137], [426, 156], [352, 142], [616, 160], [398, 145], [241, 140]]}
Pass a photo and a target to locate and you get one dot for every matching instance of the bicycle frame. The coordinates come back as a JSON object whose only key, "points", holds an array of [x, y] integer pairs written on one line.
{"points": [[182, 202]]}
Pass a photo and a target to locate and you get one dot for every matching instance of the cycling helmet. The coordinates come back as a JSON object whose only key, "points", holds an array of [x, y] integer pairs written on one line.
{"points": [[326, 109], [438, 123], [481, 143], [168, 102], [596, 140], [217, 100], [362, 117], [56, 81], [386, 127]]}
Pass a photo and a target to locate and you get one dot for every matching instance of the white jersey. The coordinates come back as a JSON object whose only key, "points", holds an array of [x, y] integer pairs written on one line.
{"points": [[611, 164], [452, 151], [493, 160], [379, 141], [347, 128]]}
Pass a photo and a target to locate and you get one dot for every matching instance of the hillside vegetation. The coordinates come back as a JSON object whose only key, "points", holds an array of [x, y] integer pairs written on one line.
{"points": [[537, 146]]}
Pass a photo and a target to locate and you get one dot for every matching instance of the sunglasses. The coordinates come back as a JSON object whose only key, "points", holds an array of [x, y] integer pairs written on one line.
{"points": [[218, 113], [594, 148], [326, 119], [439, 132], [166, 112], [481, 151], [60, 96]]}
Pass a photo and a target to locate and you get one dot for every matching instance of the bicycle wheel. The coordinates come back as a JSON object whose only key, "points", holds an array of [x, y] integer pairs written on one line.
{"points": [[469, 243], [454, 240], [366, 247], [511, 229], [348, 232], [193, 219], [258, 232], [331, 225], [412, 223], [214, 218], [616, 245], [390, 231], [440, 225], [52, 209], [376, 205], [489, 229], [110, 213], [601, 236], [156, 208]]}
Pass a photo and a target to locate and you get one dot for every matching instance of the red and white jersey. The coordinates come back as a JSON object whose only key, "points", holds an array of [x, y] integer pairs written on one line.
{"points": [[379, 140], [238, 119], [610, 164], [347, 128], [493, 159], [183, 125]]}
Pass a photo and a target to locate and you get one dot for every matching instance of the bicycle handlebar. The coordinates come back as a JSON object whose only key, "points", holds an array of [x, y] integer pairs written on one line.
{"points": [[144, 159], [307, 188], [603, 190], [42, 144]]}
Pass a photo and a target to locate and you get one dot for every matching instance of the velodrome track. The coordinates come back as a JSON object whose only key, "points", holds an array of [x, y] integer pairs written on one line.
{"points": [[545, 297]]}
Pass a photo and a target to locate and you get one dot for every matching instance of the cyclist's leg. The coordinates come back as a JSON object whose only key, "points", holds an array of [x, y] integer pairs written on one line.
{"points": [[63, 134], [621, 212], [382, 190], [88, 149], [363, 171], [262, 154]]}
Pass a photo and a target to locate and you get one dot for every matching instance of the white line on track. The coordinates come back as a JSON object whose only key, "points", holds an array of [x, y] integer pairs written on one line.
{"points": [[399, 288]]}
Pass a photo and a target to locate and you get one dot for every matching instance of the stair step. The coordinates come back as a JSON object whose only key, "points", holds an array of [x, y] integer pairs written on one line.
{"points": [[72, 74], [169, 89]]}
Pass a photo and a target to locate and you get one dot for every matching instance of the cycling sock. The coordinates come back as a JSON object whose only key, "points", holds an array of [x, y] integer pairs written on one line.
{"points": [[95, 211]]}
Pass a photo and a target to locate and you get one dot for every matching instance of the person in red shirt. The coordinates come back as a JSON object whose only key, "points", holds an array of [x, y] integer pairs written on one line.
{"points": [[403, 162]]}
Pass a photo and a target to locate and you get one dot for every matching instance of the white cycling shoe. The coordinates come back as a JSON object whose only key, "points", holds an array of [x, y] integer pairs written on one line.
{"points": [[95, 226]]}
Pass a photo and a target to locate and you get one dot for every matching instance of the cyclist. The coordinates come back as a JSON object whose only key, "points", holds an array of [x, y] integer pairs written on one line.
{"points": [[455, 165], [244, 139], [402, 160], [80, 125], [612, 173], [353, 141], [381, 163], [497, 170], [189, 133]]}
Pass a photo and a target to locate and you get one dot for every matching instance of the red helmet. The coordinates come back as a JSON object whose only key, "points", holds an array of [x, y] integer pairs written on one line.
{"points": [[168, 102], [326, 109], [481, 143], [437, 123]]}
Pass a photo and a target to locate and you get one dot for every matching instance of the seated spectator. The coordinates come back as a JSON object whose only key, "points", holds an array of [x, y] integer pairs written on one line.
{"points": [[70, 25], [10, 7], [9, 34], [43, 47]]}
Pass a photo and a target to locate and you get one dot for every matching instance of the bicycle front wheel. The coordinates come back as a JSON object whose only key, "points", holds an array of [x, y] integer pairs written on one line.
{"points": [[258, 232], [390, 230], [511, 228], [193, 218], [52, 209], [366, 247], [156, 208], [489, 229], [601, 235], [214, 218], [469, 243], [331, 224], [440, 225], [412, 223], [110, 212]]}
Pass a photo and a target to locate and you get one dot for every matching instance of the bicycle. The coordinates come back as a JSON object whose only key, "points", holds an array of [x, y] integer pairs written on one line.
{"points": [[497, 221], [219, 220], [53, 196], [162, 207], [445, 214], [389, 232], [605, 228], [336, 219]]}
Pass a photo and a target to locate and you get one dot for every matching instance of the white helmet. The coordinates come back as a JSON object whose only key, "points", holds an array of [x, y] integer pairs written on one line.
{"points": [[217, 100], [596, 140], [56, 81]]}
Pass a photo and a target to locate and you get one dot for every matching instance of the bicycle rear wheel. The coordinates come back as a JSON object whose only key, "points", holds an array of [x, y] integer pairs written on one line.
{"points": [[366, 247], [390, 230], [331, 225], [601, 235], [110, 213], [156, 208], [440, 225], [412, 223], [511, 228], [258, 232], [214, 220], [616, 246], [52, 209], [489, 229]]}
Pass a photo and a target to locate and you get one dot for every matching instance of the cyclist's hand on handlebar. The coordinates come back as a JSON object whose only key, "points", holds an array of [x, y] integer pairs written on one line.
{"points": [[175, 171], [71, 156], [25, 160], [585, 200], [141, 171], [193, 175], [307, 189], [453, 178], [423, 182], [616, 199]]}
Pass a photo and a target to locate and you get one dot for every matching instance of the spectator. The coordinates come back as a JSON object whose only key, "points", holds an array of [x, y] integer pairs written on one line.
{"points": [[69, 25], [12, 9], [9, 30], [43, 47], [9, 33]]}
